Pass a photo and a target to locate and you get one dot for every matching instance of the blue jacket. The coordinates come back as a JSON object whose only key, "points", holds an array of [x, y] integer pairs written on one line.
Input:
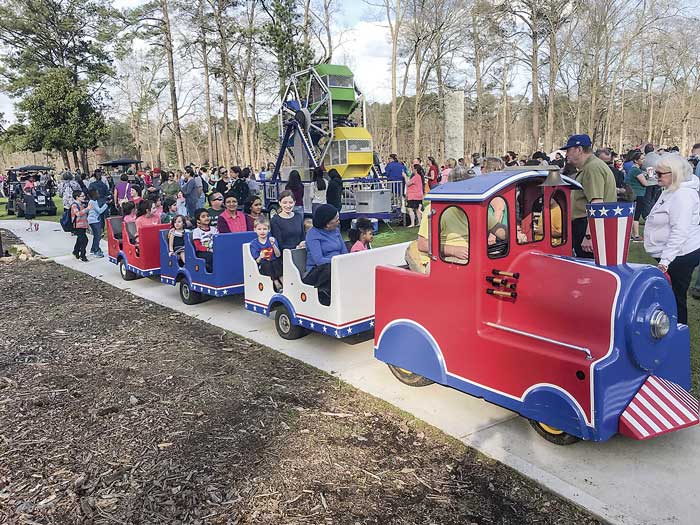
{"points": [[394, 170], [96, 211], [322, 246]]}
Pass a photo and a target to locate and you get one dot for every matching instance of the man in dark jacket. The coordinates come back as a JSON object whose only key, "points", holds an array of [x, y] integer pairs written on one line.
{"points": [[334, 192]]}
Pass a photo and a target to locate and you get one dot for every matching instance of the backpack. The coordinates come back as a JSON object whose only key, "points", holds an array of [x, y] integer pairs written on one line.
{"points": [[66, 221], [205, 186]]}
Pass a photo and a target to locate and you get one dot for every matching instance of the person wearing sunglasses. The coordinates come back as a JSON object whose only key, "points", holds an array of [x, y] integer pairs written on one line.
{"points": [[171, 186], [672, 228], [216, 203]]}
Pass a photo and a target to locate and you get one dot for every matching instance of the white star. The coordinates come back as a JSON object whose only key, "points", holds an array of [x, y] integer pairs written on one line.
{"points": [[618, 211], [325, 330], [311, 325], [225, 292], [336, 333], [350, 330], [630, 210], [604, 211], [255, 308], [591, 212], [371, 323], [301, 322]]}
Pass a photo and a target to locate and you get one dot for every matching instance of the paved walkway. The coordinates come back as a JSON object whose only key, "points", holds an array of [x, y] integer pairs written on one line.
{"points": [[622, 481]]}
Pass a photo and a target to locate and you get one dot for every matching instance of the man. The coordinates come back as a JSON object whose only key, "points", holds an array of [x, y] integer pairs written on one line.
{"points": [[598, 186], [190, 191], [695, 154], [607, 156], [216, 201], [650, 157], [394, 169], [454, 238], [476, 164]]}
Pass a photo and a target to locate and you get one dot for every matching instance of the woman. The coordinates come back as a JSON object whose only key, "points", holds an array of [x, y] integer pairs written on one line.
{"points": [[447, 170], [433, 173], [288, 225], [638, 182], [295, 185], [122, 191], [145, 215], [414, 195], [66, 189], [253, 208], [318, 188], [334, 190], [672, 229], [323, 242], [492, 164], [231, 220], [171, 187]]}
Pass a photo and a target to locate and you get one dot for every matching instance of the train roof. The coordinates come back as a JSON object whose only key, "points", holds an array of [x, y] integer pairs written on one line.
{"points": [[482, 187]]}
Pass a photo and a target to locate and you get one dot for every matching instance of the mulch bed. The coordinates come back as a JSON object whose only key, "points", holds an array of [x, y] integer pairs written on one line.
{"points": [[116, 410]]}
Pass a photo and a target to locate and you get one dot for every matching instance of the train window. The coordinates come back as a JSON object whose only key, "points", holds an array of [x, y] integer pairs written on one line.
{"points": [[498, 233], [529, 197], [558, 218], [454, 236]]}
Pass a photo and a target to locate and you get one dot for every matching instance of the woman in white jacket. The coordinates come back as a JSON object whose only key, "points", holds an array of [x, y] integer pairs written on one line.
{"points": [[672, 229]]}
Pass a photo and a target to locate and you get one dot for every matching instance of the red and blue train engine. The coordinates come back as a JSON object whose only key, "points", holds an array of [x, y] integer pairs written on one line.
{"points": [[195, 280], [135, 251], [584, 349]]}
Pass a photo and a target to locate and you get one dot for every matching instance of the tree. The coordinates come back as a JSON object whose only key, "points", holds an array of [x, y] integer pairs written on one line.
{"points": [[62, 115]]}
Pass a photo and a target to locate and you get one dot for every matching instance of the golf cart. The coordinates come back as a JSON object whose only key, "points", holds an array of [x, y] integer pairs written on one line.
{"points": [[122, 166], [44, 190]]}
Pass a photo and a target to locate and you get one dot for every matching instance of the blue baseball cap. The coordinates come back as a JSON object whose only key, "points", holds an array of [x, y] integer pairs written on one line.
{"points": [[578, 140]]}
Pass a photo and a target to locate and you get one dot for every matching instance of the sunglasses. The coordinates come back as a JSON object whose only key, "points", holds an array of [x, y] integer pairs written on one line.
{"points": [[664, 172], [218, 199]]}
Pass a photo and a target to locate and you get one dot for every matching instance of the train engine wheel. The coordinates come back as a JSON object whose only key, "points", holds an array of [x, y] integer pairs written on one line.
{"points": [[187, 295], [285, 327], [553, 435], [409, 378], [126, 274]]}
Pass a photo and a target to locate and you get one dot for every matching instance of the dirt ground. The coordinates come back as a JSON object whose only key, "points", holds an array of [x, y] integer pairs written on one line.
{"points": [[117, 410]]}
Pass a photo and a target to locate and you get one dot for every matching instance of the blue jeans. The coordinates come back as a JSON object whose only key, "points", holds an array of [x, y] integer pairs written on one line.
{"points": [[96, 228]]}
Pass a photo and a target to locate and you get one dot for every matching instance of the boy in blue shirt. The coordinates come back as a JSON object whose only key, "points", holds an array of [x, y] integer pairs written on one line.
{"points": [[266, 253]]}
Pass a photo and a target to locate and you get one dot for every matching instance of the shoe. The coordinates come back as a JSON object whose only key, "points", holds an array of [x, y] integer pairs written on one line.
{"points": [[637, 239], [36, 227], [99, 255], [84, 259], [695, 292], [76, 255]]}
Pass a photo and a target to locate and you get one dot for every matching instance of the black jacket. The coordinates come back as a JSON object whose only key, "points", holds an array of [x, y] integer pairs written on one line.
{"points": [[334, 192]]}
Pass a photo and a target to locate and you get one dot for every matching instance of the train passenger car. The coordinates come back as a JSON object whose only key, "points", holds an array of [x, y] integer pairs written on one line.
{"points": [[298, 310], [135, 252], [195, 280], [584, 349]]}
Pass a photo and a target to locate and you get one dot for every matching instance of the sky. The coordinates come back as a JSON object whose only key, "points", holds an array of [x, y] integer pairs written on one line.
{"points": [[363, 45]]}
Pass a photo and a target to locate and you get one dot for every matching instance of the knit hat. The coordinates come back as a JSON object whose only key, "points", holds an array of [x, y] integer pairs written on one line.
{"points": [[323, 215]]}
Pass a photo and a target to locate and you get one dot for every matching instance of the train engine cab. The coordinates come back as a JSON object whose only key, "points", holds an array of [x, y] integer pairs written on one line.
{"points": [[135, 251], [581, 348]]}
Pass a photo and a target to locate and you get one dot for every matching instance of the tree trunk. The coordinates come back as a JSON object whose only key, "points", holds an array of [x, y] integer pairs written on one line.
{"points": [[168, 37], [622, 120], [504, 104], [76, 163], [417, 103], [553, 71], [394, 28], [84, 161], [207, 102], [64, 157], [535, 93], [479, 124]]}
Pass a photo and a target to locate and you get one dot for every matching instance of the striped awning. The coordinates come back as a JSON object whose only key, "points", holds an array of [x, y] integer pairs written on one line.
{"points": [[660, 406]]}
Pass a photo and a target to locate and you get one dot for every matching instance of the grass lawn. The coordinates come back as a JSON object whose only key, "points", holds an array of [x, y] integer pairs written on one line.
{"points": [[396, 234], [42, 217]]}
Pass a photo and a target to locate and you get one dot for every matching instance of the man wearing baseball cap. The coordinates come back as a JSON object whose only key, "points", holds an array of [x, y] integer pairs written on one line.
{"points": [[598, 186]]}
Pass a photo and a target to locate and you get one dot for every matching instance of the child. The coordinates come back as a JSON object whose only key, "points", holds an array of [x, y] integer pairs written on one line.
{"points": [[129, 211], [361, 235], [30, 206], [181, 204], [266, 253], [169, 210], [203, 237], [176, 237], [94, 220], [79, 217]]}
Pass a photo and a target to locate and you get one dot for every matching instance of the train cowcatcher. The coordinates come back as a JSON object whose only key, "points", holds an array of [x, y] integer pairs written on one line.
{"points": [[584, 349]]}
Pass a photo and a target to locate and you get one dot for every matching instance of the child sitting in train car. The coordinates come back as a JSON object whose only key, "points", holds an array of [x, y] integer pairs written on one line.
{"points": [[266, 253], [176, 237], [203, 237], [129, 211], [361, 235]]}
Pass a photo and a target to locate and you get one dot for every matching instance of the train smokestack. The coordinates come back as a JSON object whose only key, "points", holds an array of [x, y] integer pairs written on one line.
{"points": [[610, 224]]}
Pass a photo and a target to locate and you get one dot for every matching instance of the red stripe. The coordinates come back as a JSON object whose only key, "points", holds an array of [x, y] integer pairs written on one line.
{"points": [[640, 420], [662, 426], [611, 244], [660, 394], [322, 321], [690, 403]]}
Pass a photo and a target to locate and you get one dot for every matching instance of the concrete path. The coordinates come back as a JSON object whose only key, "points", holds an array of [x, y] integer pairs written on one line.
{"points": [[622, 481]]}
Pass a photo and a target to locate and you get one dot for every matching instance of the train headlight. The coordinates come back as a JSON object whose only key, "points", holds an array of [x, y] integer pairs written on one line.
{"points": [[660, 324]]}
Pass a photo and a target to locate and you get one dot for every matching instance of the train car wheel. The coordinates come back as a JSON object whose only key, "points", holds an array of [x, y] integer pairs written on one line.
{"points": [[126, 274], [553, 435], [409, 378], [285, 327], [187, 295]]}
